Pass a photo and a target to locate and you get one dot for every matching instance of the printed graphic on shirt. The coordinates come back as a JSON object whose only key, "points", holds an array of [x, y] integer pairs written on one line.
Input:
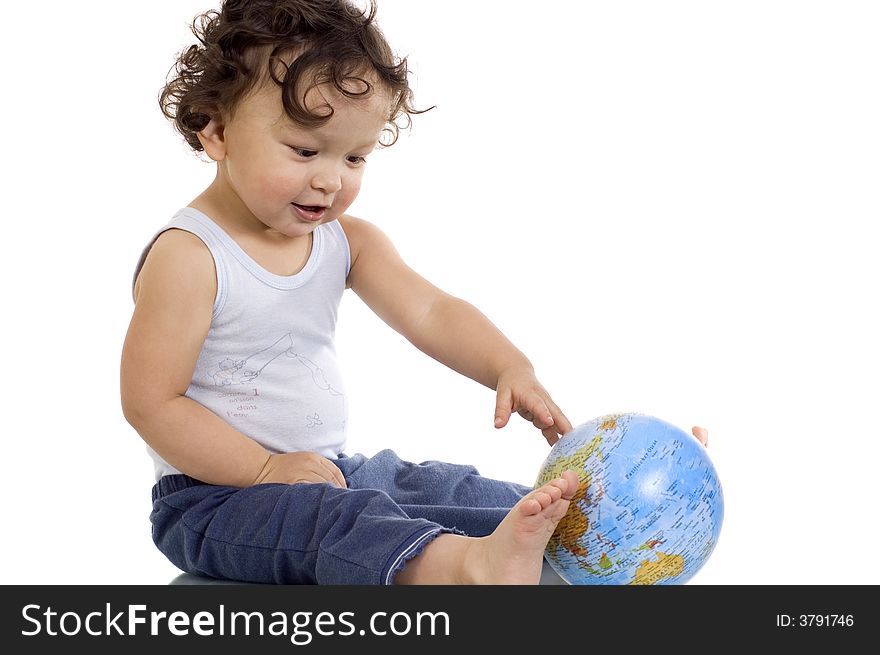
{"points": [[245, 371]]}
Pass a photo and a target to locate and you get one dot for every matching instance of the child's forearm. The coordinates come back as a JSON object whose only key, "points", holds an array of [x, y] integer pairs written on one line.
{"points": [[458, 335], [200, 444]]}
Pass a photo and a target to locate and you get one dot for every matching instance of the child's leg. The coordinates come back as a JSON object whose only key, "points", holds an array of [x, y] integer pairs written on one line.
{"points": [[512, 554], [288, 534], [453, 495]]}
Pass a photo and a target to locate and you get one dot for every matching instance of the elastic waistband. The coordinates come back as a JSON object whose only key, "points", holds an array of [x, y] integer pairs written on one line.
{"points": [[168, 484]]}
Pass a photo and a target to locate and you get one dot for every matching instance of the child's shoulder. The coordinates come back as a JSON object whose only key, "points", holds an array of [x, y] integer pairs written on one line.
{"points": [[353, 226], [176, 258], [374, 259], [362, 235]]}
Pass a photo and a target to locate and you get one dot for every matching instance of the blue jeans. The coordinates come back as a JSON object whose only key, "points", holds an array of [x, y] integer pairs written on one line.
{"points": [[318, 533]]}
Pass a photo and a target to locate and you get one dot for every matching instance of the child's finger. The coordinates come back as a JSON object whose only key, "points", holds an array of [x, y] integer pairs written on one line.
{"points": [[502, 407], [541, 416], [550, 434], [332, 474], [560, 420], [702, 434], [339, 478]]}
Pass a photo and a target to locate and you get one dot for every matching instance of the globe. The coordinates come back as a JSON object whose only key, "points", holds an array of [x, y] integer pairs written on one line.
{"points": [[648, 509]]}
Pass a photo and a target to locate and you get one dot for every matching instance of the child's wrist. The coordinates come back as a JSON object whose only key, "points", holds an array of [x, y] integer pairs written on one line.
{"points": [[521, 366], [265, 467]]}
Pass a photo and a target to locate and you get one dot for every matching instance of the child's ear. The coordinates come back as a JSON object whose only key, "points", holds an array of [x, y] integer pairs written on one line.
{"points": [[213, 140]]}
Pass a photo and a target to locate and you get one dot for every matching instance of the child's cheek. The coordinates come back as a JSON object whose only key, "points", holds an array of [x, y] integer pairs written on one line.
{"points": [[349, 191], [280, 186]]}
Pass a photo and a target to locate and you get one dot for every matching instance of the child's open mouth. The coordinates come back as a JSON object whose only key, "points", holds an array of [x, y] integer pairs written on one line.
{"points": [[309, 213]]}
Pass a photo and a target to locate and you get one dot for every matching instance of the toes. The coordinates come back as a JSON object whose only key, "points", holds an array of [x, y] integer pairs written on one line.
{"points": [[555, 491], [572, 482], [543, 497], [563, 487], [530, 506]]}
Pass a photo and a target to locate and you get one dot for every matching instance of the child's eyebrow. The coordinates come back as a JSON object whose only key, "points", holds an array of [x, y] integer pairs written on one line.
{"points": [[289, 128]]}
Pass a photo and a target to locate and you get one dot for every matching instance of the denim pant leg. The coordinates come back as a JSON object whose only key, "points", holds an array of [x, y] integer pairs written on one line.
{"points": [[285, 534], [453, 495]]}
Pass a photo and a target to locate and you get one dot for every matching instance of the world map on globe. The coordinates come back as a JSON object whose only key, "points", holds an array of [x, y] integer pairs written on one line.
{"points": [[648, 509]]}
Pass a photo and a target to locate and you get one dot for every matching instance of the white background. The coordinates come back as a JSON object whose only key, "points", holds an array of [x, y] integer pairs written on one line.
{"points": [[671, 207]]}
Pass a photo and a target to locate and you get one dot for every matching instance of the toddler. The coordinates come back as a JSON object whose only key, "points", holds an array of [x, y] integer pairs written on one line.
{"points": [[229, 371]]}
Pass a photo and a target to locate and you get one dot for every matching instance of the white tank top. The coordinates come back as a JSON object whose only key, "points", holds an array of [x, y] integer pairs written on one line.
{"points": [[268, 365]]}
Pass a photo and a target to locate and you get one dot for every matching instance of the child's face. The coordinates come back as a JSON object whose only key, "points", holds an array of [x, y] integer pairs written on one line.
{"points": [[288, 177]]}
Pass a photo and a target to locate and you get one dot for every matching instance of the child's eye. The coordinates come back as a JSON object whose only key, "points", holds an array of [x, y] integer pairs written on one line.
{"points": [[357, 159], [304, 152]]}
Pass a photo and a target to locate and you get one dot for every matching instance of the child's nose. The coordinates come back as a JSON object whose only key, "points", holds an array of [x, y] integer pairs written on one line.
{"points": [[327, 179]]}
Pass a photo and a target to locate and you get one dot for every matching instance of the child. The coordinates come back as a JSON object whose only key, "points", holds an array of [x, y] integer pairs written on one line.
{"points": [[229, 371]]}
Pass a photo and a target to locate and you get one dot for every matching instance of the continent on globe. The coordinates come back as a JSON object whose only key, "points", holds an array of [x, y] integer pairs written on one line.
{"points": [[666, 566], [577, 524], [648, 509]]}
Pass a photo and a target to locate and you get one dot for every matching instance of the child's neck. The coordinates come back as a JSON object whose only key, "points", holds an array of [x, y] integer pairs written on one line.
{"points": [[226, 209], [274, 252]]}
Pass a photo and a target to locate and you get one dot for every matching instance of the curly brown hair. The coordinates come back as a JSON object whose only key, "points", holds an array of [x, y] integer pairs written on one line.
{"points": [[248, 41]]}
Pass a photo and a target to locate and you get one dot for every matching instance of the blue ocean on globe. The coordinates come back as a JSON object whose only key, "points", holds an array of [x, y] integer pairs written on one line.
{"points": [[648, 509]]}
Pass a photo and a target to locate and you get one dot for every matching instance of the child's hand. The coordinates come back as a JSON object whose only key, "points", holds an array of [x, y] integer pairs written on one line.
{"points": [[519, 391], [702, 434], [302, 466]]}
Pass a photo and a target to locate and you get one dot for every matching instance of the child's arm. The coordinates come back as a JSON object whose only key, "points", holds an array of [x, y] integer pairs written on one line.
{"points": [[174, 296], [448, 329]]}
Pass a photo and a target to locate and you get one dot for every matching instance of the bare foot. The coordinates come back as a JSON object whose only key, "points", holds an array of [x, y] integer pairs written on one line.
{"points": [[514, 553]]}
